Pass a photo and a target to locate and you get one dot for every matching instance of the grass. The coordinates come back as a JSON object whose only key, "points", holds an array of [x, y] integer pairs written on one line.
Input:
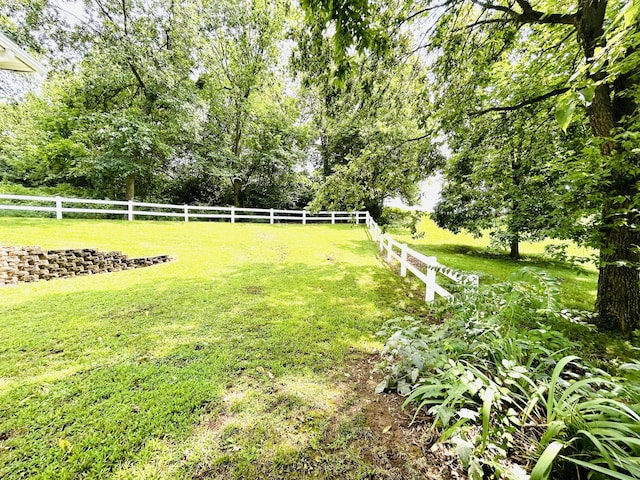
{"points": [[467, 253], [578, 284], [222, 364], [219, 364]]}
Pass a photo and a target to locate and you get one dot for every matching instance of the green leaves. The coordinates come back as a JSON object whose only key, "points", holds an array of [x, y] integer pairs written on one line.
{"points": [[565, 108], [586, 94], [492, 385], [544, 465], [631, 13]]}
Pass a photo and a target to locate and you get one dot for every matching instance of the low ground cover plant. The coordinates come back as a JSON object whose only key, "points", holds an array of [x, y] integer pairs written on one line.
{"points": [[501, 385]]}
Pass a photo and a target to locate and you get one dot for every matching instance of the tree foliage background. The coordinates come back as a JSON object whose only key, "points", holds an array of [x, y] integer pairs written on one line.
{"points": [[209, 102], [169, 100]]}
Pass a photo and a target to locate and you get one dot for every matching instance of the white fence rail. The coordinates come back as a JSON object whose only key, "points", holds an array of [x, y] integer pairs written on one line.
{"points": [[423, 267], [130, 209]]}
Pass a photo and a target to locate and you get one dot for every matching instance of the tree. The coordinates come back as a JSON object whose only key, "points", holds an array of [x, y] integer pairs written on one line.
{"points": [[252, 140], [504, 55], [500, 178], [370, 139], [38, 146], [126, 83], [182, 100], [135, 82]]}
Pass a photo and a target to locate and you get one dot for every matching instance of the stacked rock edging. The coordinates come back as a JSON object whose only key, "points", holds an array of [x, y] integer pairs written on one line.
{"points": [[30, 264]]}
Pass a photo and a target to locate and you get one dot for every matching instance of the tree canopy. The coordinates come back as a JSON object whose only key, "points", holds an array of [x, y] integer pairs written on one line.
{"points": [[209, 102], [503, 56]]}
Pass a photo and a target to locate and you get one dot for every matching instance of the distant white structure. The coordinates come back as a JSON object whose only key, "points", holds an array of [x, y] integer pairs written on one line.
{"points": [[20, 72], [14, 58]]}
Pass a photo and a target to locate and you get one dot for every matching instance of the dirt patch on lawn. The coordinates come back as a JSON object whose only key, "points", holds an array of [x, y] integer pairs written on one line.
{"points": [[301, 427], [400, 447]]}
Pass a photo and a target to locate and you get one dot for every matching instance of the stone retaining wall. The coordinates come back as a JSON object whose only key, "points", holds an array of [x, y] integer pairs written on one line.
{"points": [[30, 264]]}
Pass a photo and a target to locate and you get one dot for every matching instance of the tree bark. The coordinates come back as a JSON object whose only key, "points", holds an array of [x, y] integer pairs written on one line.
{"points": [[618, 300], [325, 155], [514, 215], [514, 250], [130, 187], [618, 296], [374, 207], [237, 192]]}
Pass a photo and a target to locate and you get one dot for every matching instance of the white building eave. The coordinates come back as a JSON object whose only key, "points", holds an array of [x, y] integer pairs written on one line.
{"points": [[12, 57]]}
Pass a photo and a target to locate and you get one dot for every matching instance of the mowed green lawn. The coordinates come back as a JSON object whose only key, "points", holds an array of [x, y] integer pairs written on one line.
{"points": [[230, 362], [464, 252], [220, 364]]}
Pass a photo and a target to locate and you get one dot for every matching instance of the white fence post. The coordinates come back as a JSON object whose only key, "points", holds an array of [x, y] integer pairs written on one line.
{"points": [[403, 260], [430, 293], [333, 218], [233, 214], [130, 211], [357, 218], [381, 241], [304, 217], [271, 219], [389, 249], [58, 208], [186, 213]]}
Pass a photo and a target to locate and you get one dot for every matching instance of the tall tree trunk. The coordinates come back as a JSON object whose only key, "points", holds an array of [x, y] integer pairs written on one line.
{"points": [[130, 187], [514, 247], [374, 207], [618, 297], [325, 155], [618, 300], [237, 192], [236, 148], [514, 215]]}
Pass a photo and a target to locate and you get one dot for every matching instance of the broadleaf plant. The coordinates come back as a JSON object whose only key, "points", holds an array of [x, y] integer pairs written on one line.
{"points": [[502, 388]]}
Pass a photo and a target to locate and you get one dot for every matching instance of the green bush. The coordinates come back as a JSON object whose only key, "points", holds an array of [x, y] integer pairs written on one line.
{"points": [[63, 189], [500, 388]]}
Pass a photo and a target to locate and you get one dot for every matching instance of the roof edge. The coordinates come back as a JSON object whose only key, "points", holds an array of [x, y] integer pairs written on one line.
{"points": [[22, 55]]}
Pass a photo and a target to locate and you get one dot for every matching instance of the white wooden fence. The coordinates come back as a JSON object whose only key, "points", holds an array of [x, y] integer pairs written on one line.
{"points": [[423, 267], [130, 209]]}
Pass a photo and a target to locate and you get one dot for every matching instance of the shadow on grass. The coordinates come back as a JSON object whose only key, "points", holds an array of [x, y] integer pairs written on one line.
{"points": [[91, 379], [501, 257], [578, 283]]}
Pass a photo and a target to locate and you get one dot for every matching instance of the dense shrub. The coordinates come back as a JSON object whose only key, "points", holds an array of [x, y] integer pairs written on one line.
{"points": [[62, 189]]}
